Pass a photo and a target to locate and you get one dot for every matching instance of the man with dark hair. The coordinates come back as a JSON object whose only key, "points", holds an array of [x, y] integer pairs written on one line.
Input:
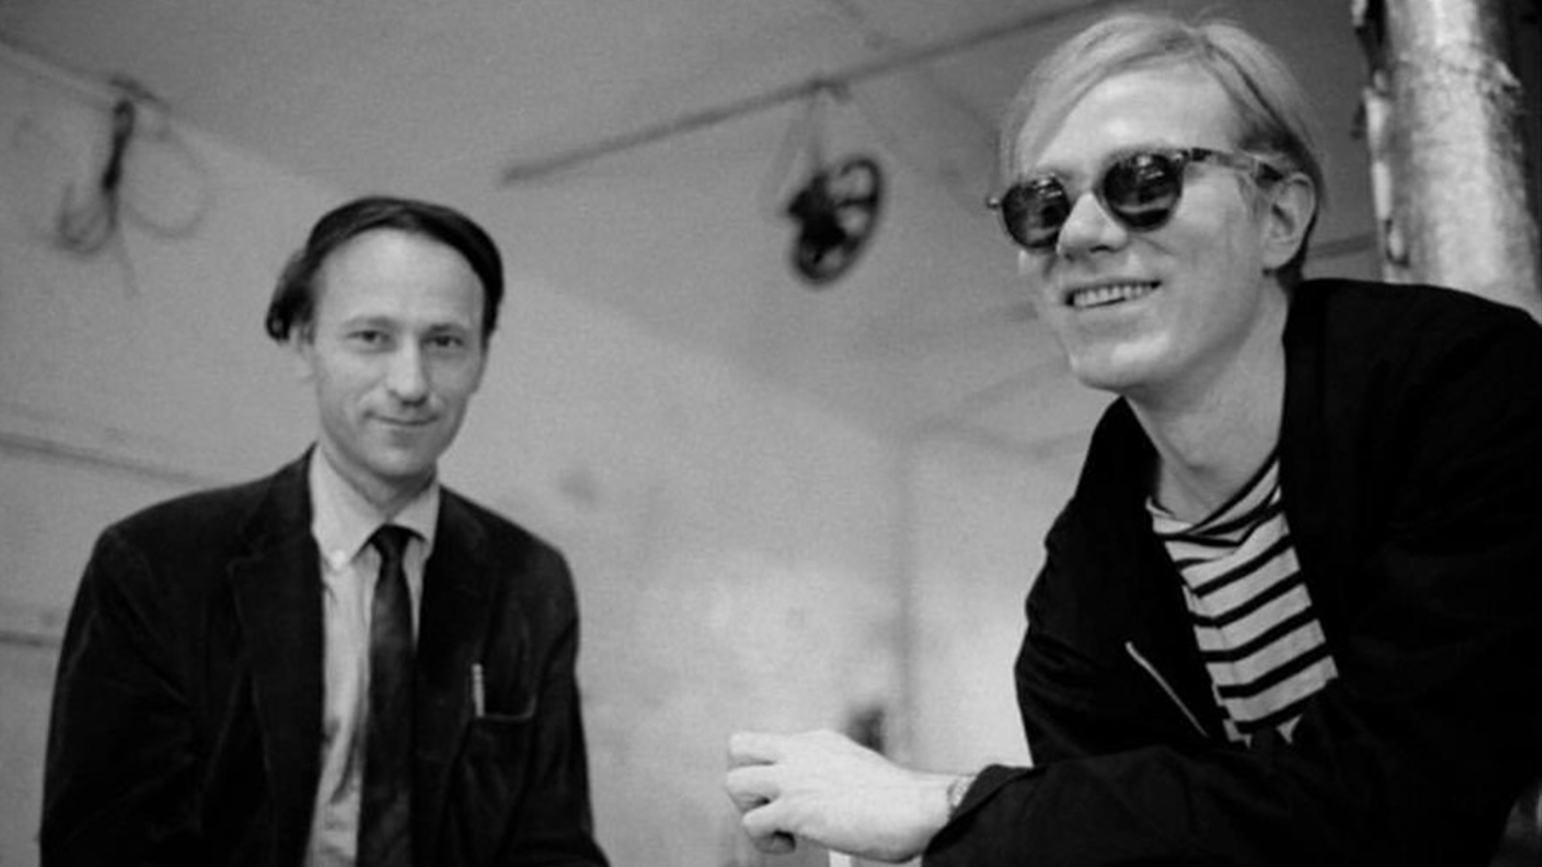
{"points": [[344, 663], [1291, 614]]}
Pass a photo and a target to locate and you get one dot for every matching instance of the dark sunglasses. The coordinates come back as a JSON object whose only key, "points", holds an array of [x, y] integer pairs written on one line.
{"points": [[1140, 189]]}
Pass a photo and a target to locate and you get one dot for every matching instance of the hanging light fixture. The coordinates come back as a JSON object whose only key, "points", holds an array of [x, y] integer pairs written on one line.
{"points": [[837, 208]]}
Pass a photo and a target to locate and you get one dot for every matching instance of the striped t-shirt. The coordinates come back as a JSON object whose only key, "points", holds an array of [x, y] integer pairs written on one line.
{"points": [[1258, 635]]}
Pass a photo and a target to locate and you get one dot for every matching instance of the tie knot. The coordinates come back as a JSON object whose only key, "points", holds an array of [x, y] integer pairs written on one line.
{"points": [[391, 541]]}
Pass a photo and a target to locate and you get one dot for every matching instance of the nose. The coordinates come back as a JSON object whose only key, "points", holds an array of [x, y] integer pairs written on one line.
{"points": [[1088, 228], [407, 377]]}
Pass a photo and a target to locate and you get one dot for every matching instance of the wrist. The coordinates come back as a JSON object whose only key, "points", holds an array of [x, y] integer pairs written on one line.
{"points": [[958, 787]]}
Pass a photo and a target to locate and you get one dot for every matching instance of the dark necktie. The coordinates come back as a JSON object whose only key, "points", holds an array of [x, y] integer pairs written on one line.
{"points": [[385, 812]]}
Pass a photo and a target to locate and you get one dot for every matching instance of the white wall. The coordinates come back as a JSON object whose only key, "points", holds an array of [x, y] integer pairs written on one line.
{"points": [[980, 520], [126, 376], [733, 546]]}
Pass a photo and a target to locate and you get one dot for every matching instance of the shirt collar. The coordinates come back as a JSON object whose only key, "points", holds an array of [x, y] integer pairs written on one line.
{"points": [[343, 520]]}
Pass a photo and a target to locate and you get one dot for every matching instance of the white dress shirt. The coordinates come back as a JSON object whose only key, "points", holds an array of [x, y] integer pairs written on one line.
{"points": [[342, 524]]}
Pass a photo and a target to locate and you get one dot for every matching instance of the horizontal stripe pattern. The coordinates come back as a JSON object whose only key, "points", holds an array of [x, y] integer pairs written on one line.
{"points": [[1258, 636]]}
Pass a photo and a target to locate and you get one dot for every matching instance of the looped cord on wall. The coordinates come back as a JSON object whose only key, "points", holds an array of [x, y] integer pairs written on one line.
{"points": [[86, 226]]}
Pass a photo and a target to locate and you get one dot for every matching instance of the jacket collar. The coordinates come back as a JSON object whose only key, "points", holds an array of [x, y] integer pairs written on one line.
{"points": [[277, 593], [1116, 479], [1110, 504]]}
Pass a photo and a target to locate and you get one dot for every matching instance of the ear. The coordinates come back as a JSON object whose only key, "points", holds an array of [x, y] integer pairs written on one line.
{"points": [[302, 349], [476, 382], [1292, 207]]}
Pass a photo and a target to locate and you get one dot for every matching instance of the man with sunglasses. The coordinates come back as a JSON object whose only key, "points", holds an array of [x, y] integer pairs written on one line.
{"points": [[1291, 613]]}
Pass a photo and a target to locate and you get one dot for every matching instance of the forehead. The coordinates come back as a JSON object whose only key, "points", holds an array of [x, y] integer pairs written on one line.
{"points": [[1175, 106], [393, 270]]}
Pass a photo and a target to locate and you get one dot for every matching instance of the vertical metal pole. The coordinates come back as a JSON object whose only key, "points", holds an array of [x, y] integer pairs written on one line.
{"points": [[1448, 175], [1442, 124]]}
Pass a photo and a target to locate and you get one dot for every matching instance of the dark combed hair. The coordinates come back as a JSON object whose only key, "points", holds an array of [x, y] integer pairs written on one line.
{"points": [[294, 298]]}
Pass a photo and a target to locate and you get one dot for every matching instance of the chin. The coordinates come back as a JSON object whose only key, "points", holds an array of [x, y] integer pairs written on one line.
{"points": [[400, 468], [1105, 377], [1120, 369]]}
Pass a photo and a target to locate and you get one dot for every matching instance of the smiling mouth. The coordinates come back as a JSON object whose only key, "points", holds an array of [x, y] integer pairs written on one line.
{"points": [[1104, 296]]}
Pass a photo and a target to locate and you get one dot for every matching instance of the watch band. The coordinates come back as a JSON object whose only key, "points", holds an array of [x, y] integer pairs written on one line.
{"points": [[957, 789]]}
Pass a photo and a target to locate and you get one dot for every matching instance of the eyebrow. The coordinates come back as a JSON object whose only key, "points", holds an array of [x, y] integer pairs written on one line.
{"points": [[1108, 159], [386, 322], [368, 319]]}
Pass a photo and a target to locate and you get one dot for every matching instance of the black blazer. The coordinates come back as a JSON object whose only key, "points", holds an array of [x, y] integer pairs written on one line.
{"points": [[1413, 490], [186, 724]]}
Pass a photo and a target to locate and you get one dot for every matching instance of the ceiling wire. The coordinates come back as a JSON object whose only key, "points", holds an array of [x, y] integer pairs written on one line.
{"points": [[802, 141], [528, 170], [86, 225], [84, 86], [879, 40], [89, 217]]}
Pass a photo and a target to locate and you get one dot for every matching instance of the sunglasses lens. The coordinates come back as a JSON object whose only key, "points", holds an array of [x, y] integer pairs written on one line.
{"points": [[1034, 211], [1142, 189]]}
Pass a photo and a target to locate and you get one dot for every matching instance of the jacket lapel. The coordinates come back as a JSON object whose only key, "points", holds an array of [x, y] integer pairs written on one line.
{"points": [[451, 633], [1309, 465], [277, 592], [278, 599], [1140, 573]]}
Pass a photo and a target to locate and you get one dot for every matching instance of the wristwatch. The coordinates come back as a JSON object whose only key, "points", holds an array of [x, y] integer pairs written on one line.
{"points": [[957, 789]]}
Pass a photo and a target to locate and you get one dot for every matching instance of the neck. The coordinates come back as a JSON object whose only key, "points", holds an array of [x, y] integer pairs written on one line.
{"points": [[386, 496], [1211, 440]]}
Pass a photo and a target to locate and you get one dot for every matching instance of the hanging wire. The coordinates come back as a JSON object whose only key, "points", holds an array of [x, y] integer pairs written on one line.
{"points": [[802, 146], [90, 216], [85, 226], [923, 74], [901, 146], [524, 171]]}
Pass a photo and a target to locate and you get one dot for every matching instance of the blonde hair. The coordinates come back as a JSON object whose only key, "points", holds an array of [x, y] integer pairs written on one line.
{"points": [[1273, 116]]}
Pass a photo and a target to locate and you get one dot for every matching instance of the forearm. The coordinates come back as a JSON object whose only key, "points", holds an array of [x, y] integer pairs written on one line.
{"points": [[1344, 793]]}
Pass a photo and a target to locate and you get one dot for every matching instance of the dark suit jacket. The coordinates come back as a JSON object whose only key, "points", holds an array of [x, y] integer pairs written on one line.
{"points": [[1413, 490], [186, 723]]}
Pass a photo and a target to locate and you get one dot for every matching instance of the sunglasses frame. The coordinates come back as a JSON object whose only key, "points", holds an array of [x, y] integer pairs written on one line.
{"points": [[1182, 158]]}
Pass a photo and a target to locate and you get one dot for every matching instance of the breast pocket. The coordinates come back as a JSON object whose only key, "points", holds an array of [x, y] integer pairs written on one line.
{"points": [[490, 778], [497, 741], [504, 699], [506, 707]]}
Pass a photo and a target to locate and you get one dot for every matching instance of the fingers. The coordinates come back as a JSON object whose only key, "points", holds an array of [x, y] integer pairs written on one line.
{"points": [[751, 786], [759, 765], [754, 748], [765, 833], [778, 843]]}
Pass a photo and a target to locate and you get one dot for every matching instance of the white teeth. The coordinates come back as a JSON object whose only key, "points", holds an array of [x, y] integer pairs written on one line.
{"points": [[1098, 296]]}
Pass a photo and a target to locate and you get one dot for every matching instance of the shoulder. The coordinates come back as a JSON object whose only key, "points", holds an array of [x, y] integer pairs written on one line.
{"points": [[502, 544], [187, 541], [1408, 388], [1350, 336], [1407, 318], [210, 507], [202, 516], [460, 513]]}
